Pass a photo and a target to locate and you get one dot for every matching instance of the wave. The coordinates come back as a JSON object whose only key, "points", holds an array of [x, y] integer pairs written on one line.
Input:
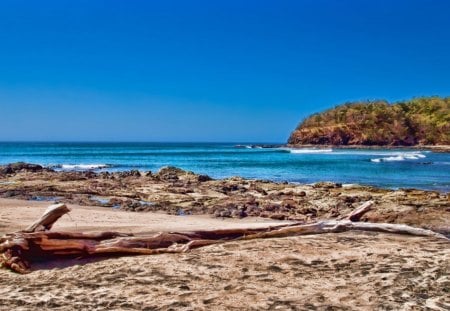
{"points": [[400, 157], [308, 151], [80, 167]]}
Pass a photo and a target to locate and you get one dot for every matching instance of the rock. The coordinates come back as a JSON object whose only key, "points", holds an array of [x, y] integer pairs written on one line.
{"points": [[14, 168], [433, 195], [132, 173], [223, 213], [347, 199], [289, 204], [278, 216], [203, 178], [309, 211], [89, 174], [230, 188], [327, 185], [181, 190], [239, 213], [261, 191], [271, 207], [105, 175], [170, 173]]}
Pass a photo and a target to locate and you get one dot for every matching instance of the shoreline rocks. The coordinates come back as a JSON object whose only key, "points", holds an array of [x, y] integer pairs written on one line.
{"points": [[178, 192]]}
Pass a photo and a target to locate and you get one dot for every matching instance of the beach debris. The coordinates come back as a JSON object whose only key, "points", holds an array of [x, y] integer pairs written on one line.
{"points": [[360, 211], [50, 216], [20, 249]]}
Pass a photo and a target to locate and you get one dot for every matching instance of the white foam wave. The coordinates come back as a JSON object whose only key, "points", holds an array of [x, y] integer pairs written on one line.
{"points": [[308, 151], [83, 166], [400, 157]]}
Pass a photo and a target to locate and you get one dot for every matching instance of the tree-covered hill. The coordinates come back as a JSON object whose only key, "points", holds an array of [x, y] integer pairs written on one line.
{"points": [[420, 121]]}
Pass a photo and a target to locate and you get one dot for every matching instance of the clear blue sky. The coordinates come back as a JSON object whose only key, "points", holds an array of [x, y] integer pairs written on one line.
{"points": [[208, 70]]}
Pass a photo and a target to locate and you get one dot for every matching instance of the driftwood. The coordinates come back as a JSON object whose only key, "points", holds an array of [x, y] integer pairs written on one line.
{"points": [[50, 216], [360, 211], [18, 250]]}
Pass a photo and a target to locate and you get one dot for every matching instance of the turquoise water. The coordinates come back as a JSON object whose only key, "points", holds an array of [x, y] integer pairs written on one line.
{"points": [[384, 168]]}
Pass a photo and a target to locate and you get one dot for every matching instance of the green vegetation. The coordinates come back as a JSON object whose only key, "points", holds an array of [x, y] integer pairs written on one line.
{"points": [[420, 121]]}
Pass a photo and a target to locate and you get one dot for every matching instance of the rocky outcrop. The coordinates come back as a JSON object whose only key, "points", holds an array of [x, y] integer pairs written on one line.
{"points": [[175, 191], [20, 166], [421, 121]]}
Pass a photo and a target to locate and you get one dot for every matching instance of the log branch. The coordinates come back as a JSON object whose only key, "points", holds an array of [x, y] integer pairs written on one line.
{"points": [[360, 211], [50, 216]]}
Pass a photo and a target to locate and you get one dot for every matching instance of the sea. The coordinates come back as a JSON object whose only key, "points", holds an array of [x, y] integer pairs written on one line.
{"points": [[393, 169]]}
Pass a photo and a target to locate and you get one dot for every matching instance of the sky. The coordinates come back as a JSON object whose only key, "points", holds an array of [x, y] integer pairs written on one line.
{"points": [[211, 71]]}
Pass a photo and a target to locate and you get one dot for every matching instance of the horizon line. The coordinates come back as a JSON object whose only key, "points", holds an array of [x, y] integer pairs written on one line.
{"points": [[139, 142]]}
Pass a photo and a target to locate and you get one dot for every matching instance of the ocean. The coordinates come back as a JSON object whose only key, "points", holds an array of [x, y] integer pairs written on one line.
{"points": [[392, 169]]}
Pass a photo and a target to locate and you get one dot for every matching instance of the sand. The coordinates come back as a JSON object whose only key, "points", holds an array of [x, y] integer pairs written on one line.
{"points": [[18, 214], [347, 271]]}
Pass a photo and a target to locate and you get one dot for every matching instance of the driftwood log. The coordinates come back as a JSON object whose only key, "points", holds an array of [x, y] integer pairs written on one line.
{"points": [[20, 249], [50, 216], [360, 211]]}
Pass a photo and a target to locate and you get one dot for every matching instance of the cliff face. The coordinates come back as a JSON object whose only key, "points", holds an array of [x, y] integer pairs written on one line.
{"points": [[420, 121]]}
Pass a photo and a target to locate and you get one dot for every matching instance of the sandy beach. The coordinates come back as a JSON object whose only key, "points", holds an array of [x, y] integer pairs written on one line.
{"points": [[16, 215], [347, 271]]}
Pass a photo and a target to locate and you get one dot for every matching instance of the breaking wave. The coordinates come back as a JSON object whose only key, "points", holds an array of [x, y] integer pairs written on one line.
{"points": [[308, 151], [400, 157], [80, 167]]}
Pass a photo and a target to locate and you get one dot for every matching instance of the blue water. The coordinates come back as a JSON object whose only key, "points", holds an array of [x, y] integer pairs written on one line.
{"points": [[383, 168]]}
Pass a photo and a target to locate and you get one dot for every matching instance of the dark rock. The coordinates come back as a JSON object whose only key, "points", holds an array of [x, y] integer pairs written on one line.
{"points": [[347, 199], [14, 168], [260, 190], [239, 213], [271, 207], [89, 174], [132, 173], [327, 185], [278, 216], [10, 193], [170, 173], [289, 204], [105, 175], [203, 178], [181, 190], [230, 188], [225, 213]]}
